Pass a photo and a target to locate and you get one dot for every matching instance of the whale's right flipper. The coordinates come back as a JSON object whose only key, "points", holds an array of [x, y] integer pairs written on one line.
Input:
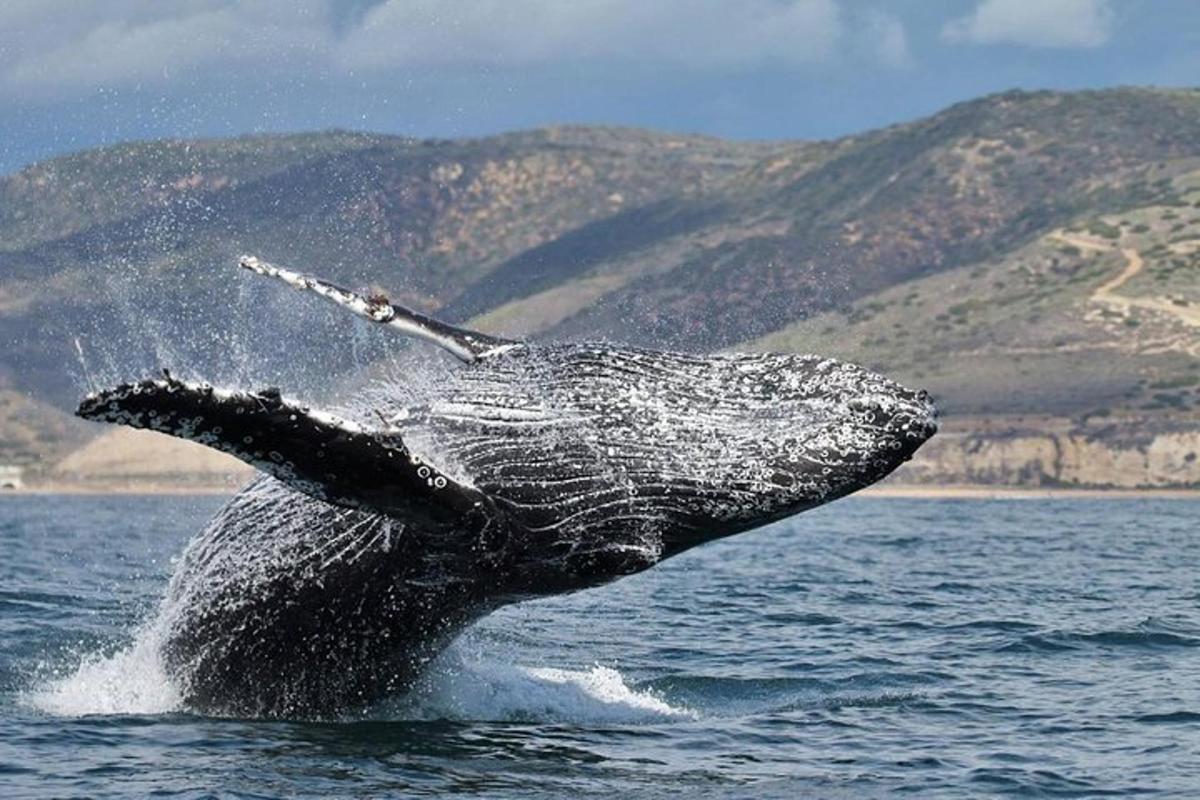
{"points": [[467, 345], [321, 455]]}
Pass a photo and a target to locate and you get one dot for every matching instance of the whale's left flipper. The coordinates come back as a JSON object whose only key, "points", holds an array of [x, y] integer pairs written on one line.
{"points": [[319, 454], [467, 345]]}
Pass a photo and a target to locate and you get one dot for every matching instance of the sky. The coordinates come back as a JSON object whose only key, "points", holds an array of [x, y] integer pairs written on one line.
{"points": [[76, 74]]}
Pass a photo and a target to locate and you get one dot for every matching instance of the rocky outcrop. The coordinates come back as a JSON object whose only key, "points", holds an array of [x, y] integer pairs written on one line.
{"points": [[1126, 454]]}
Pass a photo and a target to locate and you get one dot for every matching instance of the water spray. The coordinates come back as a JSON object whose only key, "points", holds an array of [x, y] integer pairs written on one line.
{"points": [[87, 375]]}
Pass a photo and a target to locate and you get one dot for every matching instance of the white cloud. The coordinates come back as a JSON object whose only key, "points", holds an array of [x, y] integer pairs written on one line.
{"points": [[884, 39], [1034, 23], [694, 33], [127, 41], [54, 47]]}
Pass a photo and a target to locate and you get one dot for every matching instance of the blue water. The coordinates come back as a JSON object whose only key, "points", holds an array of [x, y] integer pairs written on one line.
{"points": [[875, 647]]}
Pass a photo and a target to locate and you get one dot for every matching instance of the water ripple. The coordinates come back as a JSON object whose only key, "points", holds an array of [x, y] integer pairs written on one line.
{"points": [[871, 649]]}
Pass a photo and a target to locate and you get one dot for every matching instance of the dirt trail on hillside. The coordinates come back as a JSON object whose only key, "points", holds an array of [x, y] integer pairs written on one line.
{"points": [[1106, 293], [1188, 315]]}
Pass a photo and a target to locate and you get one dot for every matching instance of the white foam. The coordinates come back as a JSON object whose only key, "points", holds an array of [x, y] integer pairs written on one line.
{"points": [[459, 686], [132, 681], [486, 690]]}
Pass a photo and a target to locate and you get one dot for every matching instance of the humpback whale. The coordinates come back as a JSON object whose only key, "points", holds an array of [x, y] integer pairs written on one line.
{"points": [[372, 539]]}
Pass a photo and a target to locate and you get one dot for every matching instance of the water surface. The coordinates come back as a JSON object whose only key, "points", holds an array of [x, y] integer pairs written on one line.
{"points": [[876, 646]]}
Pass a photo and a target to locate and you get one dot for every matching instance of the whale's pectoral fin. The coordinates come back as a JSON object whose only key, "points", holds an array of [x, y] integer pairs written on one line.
{"points": [[332, 459], [467, 345]]}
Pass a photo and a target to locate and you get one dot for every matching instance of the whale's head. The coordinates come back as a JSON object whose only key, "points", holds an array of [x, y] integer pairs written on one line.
{"points": [[794, 431], [700, 449], [848, 427], [637, 454]]}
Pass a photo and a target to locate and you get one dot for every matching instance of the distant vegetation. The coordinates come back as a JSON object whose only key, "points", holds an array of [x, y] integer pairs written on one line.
{"points": [[969, 251]]}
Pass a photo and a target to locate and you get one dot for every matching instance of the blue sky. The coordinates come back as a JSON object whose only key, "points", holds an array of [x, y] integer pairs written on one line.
{"points": [[78, 74]]}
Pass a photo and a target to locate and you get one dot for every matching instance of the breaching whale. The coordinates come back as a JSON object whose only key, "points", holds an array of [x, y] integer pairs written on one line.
{"points": [[533, 469]]}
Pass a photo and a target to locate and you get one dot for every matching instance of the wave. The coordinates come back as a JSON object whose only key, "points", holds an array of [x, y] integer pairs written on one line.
{"points": [[1169, 717], [476, 682], [744, 696], [480, 679], [1060, 641]]}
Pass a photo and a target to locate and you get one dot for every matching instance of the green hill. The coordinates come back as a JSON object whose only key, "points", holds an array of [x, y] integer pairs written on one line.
{"points": [[1028, 256]]}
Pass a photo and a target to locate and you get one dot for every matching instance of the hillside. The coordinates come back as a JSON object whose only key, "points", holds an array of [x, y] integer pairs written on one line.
{"points": [[1033, 258], [123, 457]]}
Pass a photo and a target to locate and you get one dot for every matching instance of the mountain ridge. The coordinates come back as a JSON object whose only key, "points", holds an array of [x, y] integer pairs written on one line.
{"points": [[657, 238]]}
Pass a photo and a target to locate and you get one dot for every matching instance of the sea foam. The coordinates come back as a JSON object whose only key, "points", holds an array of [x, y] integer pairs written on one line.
{"points": [[131, 681], [462, 685], [468, 687]]}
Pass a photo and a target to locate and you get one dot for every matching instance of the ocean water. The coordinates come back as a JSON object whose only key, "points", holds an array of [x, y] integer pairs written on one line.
{"points": [[1044, 648]]}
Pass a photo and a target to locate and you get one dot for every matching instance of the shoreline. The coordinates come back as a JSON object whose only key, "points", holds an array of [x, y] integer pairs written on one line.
{"points": [[983, 492], [886, 492], [51, 489]]}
